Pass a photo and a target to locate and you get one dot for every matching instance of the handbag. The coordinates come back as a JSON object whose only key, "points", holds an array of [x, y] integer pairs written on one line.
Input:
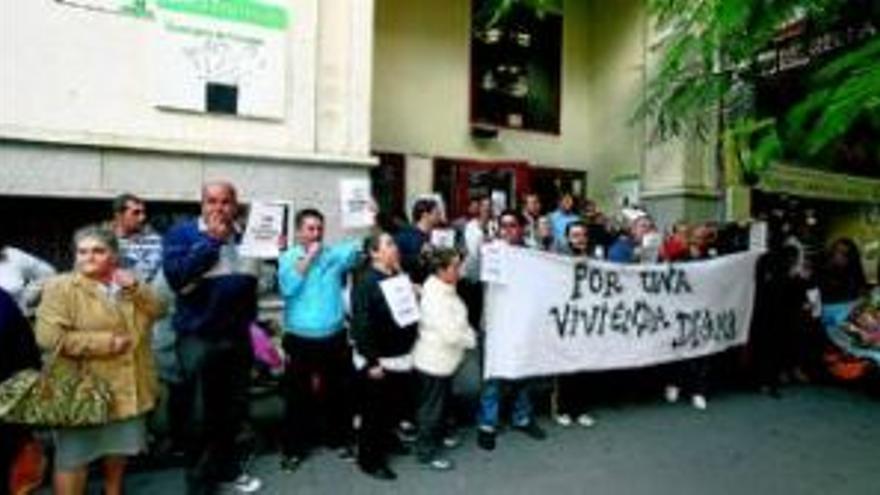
{"points": [[63, 394], [264, 349]]}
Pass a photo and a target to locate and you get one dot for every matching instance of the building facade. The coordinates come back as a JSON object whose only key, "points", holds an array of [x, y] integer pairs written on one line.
{"points": [[98, 97]]}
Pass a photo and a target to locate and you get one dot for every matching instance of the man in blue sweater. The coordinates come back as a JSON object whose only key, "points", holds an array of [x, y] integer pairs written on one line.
{"points": [[216, 291], [311, 276], [412, 240]]}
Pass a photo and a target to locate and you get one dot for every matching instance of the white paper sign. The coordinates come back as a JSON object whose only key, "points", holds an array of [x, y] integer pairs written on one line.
{"points": [[758, 236], [356, 202], [650, 248], [401, 298], [499, 201], [559, 315], [493, 258], [265, 227], [443, 238]]}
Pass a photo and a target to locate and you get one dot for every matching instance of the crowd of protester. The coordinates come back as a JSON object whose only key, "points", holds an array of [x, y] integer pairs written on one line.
{"points": [[355, 380]]}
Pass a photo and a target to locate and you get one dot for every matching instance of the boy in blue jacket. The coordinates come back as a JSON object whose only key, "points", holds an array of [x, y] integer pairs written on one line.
{"points": [[311, 276]]}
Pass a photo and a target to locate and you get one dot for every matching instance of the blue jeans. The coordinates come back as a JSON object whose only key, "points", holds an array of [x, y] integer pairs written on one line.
{"points": [[490, 402]]}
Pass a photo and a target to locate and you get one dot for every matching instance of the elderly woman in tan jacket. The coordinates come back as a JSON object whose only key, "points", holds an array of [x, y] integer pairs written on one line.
{"points": [[101, 317], [444, 336]]}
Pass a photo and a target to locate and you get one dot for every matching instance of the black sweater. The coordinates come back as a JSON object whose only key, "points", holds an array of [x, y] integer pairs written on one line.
{"points": [[18, 347], [374, 330]]}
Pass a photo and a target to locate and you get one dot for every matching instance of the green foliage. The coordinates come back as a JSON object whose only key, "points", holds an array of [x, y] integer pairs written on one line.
{"points": [[708, 58], [491, 12]]}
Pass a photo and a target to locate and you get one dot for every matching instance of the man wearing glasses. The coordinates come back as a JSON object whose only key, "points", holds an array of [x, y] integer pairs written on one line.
{"points": [[511, 231]]}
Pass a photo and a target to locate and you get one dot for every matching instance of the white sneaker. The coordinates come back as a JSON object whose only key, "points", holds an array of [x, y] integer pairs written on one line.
{"points": [[245, 483], [671, 393], [699, 402], [440, 464], [451, 442], [563, 420], [586, 421]]}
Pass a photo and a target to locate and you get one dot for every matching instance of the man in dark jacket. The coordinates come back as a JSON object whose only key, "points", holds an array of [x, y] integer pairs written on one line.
{"points": [[411, 241], [216, 291]]}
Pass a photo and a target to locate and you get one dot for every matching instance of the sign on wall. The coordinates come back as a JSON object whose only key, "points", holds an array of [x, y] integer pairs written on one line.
{"points": [[810, 183], [547, 314], [133, 7], [222, 56]]}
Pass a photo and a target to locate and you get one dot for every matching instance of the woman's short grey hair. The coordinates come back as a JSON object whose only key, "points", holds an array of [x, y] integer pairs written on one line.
{"points": [[100, 234], [439, 259]]}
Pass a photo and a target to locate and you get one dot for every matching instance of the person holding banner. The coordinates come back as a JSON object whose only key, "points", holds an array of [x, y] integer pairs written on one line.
{"points": [[572, 391], [511, 231], [562, 216], [630, 248], [382, 346], [692, 376], [311, 276], [536, 237], [444, 336]]}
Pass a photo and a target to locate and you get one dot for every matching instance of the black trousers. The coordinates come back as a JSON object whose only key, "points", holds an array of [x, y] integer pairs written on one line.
{"points": [[317, 393], [214, 395], [577, 392], [472, 294], [433, 406], [691, 375], [380, 412]]}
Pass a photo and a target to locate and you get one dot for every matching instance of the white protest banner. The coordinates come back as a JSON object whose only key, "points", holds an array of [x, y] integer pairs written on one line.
{"points": [[356, 202], [443, 238], [401, 298], [556, 315], [265, 227]]}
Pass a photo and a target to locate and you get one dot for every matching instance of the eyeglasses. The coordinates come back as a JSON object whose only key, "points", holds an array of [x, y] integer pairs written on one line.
{"points": [[91, 250]]}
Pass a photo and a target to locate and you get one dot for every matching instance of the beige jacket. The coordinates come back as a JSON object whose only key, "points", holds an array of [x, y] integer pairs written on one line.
{"points": [[444, 331], [76, 311]]}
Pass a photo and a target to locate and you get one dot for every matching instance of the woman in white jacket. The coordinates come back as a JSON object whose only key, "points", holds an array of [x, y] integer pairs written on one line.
{"points": [[444, 336]]}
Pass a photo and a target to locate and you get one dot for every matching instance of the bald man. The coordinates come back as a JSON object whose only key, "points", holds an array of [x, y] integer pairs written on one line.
{"points": [[216, 290]]}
